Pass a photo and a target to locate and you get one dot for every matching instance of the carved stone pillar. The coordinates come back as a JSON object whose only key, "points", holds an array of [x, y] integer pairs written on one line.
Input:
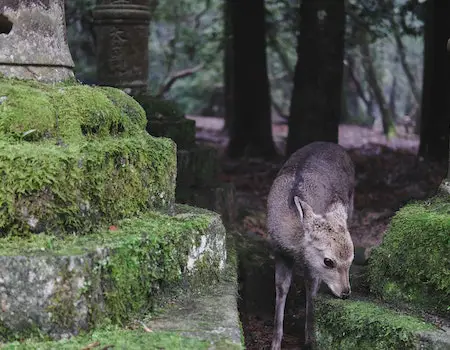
{"points": [[33, 42], [122, 34]]}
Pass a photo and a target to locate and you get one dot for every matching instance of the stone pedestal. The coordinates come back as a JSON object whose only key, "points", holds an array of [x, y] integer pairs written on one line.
{"points": [[122, 36], [197, 166], [33, 41]]}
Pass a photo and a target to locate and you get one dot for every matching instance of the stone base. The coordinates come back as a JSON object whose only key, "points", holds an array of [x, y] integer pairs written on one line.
{"points": [[198, 166], [44, 74], [182, 131], [219, 199], [60, 287]]}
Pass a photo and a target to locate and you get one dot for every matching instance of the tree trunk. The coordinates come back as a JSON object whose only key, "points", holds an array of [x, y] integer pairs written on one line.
{"points": [[228, 67], [435, 118], [251, 127], [316, 98], [386, 116], [403, 61]]}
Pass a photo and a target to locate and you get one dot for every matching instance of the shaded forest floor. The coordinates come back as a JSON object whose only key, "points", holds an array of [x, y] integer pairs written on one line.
{"points": [[388, 175]]}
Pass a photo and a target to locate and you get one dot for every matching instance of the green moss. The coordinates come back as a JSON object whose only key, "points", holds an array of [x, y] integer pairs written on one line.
{"points": [[117, 339], [146, 255], [364, 325], [8, 335], [128, 106], [79, 187], [413, 262], [33, 111], [26, 112]]}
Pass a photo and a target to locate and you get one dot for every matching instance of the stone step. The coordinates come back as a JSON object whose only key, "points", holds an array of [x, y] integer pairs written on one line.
{"points": [[205, 319], [59, 287], [365, 324]]}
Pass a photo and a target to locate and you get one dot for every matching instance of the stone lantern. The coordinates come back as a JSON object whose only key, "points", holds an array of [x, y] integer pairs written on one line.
{"points": [[33, 43], [122, 34]]}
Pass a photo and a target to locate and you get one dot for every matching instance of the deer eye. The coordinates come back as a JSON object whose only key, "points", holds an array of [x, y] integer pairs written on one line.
{"points": [[329, 263]]}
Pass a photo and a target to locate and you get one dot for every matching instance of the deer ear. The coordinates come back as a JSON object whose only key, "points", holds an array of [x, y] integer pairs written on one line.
{"points": [[299, 207], [337, 212]]}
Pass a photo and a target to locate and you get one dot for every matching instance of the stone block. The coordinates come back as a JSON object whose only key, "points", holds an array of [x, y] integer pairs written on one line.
{"points": [[181, 131], [198, 166], [220, 199], [59, 287]]}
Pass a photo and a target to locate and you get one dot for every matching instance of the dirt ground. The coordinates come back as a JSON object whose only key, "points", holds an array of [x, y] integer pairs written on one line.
{"points": [[388, 175]]}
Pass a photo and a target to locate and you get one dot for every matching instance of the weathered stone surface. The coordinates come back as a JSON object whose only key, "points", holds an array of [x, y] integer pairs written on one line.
{"points": [[61, 287], [33, 41], [122, 43], [198, 166], [211, 314], [220, 199]]}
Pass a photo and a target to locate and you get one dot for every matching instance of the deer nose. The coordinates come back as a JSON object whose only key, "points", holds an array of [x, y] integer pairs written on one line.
{"points": [[345, 293]]}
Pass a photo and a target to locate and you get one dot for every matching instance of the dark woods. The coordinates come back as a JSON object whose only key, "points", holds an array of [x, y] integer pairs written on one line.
{"points": [[327, 34]]}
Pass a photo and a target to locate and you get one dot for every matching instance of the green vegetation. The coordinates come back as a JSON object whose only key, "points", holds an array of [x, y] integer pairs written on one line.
{"points": [[348, 325], [118, 339], [74, 158], [131, 265], [413, 262], [33, 111]]}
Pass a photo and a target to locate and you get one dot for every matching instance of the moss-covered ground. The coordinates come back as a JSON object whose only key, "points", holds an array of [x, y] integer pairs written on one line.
{"points": [[115, 338], [413, 263]]}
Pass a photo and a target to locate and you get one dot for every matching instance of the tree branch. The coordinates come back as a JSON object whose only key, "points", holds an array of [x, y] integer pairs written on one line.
{"points": [[176, 76], [358, 86], [402, 55]]}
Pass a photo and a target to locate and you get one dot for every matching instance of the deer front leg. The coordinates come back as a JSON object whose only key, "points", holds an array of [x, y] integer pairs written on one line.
{"points": [[283, 277], [311, 288]]}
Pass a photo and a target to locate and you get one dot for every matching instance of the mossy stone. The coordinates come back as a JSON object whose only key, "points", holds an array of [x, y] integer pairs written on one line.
{"points": [[75, 157], [413, 262], [33, 111], [166, 119], [348, 325], [64, 286], [77, 188], [158, 108]]}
